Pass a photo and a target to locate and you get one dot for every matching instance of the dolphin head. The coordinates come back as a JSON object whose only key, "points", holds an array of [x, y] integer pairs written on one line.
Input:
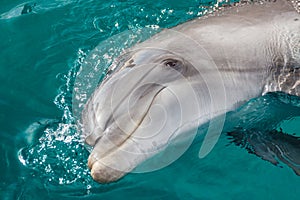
{"points": [[137, 109]]}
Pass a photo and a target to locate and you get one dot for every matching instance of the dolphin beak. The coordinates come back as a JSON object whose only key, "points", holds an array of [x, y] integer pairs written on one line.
{"points": [[116, 151], [103, 173]]}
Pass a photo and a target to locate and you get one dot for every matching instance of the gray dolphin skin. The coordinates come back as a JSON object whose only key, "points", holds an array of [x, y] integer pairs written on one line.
{"points": [[167, 86]]}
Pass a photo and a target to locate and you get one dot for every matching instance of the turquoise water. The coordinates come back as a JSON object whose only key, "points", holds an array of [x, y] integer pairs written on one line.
{"points": [[42, 156]]}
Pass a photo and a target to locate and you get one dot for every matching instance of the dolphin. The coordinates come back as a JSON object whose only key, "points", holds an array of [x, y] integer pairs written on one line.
{"points": [[167, 86]]}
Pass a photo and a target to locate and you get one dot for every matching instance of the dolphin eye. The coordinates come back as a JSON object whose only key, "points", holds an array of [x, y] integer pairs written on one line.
{"points": [[175, 64]]}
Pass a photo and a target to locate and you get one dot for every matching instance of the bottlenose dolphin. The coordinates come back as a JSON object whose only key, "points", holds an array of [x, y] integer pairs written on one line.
{"points": [[180, 78]]}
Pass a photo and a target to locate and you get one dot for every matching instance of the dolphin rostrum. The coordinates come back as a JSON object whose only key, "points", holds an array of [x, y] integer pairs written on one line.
{"points": [[165, 87]]}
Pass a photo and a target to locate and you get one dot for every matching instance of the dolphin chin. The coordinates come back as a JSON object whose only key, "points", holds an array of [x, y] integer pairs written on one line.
{"points": [[165, 87]]}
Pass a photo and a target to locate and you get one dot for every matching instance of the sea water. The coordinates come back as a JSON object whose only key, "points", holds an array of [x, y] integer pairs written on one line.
{"points": [[45, 44]]}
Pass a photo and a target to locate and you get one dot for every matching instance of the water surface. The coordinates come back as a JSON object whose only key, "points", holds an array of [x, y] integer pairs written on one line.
{"points": [[43, 45]]}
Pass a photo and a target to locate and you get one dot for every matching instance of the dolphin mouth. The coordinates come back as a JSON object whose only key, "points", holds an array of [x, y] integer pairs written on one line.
{"points": [[107, 153]]}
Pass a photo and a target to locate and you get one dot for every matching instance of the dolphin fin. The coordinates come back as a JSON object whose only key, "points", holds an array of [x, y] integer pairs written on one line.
{"points": [[273, 146]]}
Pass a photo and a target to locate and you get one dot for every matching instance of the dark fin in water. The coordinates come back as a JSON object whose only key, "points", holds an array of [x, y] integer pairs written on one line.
{"points": [[272, 146], [28, 8]]}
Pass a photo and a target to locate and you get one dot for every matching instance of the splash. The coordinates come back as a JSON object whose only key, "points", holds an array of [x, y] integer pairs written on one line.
{"points": [[58, 156]]}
